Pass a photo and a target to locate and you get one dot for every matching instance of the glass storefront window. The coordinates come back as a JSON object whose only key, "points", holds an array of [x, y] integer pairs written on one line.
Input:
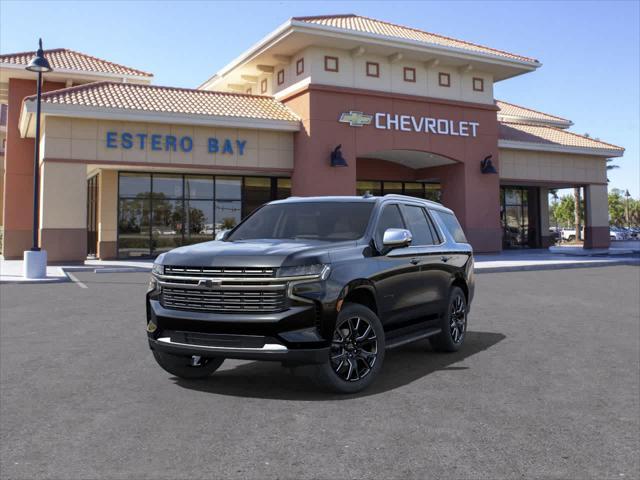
{"points": [[257, 192], [433, 192], [133, 227], [158, 212], [391, 187], [228, 188], [198, 188], [135, 184], [374, 188], [228, 214], [414, 189], [283, 189]]}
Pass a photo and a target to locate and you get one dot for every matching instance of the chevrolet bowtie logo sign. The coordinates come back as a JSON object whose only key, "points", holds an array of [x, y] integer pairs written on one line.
{"points": [[356, 119]]}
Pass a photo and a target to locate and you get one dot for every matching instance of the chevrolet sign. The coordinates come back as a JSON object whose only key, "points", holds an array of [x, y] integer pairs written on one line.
{"points": [[355, 119]]}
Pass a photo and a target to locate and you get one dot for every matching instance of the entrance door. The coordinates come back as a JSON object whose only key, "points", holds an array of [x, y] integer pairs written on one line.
{"points": [[92, 216], [519, 214]]}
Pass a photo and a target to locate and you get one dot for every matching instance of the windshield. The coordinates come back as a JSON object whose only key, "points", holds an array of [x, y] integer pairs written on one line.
{"points": [[326, 221]]}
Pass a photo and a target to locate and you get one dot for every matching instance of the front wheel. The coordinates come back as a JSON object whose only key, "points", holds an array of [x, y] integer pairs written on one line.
{"points": [[356, 353], [454, 324], [187, 367]]}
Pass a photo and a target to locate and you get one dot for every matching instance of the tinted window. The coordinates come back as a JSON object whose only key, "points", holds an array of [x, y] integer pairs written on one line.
{"points": [[417, 225], [452, 225], [326, 221], [390, 218]]}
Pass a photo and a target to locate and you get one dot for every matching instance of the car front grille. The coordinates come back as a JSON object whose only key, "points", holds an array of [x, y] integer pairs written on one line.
{"points": [[231, 300], [220, 272]]}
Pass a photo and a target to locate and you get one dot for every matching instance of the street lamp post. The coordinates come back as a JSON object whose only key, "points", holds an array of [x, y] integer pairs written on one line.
{"points": [[35, 260], [626, 208]]}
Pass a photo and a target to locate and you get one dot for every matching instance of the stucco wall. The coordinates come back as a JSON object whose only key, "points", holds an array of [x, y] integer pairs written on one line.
{"points": [[551, 167], [352, 73], [85, 140]]}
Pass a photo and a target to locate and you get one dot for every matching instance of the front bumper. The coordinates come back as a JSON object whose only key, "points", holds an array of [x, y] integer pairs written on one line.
{"points": [[291, 336]]}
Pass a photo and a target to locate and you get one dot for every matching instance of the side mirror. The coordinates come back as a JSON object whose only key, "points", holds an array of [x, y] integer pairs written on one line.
{"points": [[222, 235], [396, 237]]}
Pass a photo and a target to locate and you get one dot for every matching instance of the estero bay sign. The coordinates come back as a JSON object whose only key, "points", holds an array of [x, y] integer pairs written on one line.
{"points": [[411, 123], [171, 143]]}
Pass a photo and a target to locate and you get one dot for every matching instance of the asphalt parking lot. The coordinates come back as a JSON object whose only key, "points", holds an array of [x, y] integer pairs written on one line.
{"points": [[547, 386]]}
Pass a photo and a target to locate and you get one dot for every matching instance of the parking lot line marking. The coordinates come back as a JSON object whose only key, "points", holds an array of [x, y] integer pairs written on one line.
{"points": [[75, 280]]}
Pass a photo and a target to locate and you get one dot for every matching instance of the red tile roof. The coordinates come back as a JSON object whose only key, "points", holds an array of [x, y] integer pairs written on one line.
{"points": [[544, 135], [370, 25], [513, 110], [152, 98], [65, 59]]}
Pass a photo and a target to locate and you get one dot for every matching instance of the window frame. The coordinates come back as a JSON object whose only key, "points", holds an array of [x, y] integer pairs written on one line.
{"points": [[407, 70], [263, 85], [377, 67], [300, 66], [280, 76], [327, 59], [480, 82], [444, 75]]}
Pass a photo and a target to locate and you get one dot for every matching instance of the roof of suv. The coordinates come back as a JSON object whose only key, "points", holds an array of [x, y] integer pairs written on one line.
{"points": [[364, 198]]}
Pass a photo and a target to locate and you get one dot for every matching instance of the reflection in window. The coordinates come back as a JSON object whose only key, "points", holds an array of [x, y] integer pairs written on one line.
{"points": [[228, 214], [167, 223], [200, 188], [228, 188], [283, 188], [167, 186], [257, 192], [133, 227], [199, 221]]}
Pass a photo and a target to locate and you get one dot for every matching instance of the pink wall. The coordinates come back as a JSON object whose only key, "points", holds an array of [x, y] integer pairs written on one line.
{"points": [[473, 196]]}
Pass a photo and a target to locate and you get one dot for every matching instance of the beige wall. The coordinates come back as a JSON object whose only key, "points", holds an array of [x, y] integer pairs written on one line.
{"points": [[552, 167], [598, 201], [352, 73], [108, 206], [80, 139], [63, 195]]}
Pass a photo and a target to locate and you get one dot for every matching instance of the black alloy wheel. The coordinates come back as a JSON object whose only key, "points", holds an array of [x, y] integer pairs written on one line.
{"points": [[357, 350], [354, 348], [453, 323]]}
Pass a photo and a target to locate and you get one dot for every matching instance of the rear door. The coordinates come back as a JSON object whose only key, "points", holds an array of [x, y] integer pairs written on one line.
{"points": [[434, 276]]}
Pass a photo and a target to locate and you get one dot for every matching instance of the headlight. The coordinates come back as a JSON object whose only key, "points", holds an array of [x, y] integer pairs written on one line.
{"points": [[157, 269], [318, 270]]}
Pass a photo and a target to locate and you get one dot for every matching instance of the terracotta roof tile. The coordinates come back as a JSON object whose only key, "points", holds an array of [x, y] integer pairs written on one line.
{"points": [[65, 59], [379, 27], [513, 110], [517, 132], [152, 98]]}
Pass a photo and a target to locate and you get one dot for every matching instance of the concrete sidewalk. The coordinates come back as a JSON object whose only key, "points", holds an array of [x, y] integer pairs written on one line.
{"points": [[506, 261]]}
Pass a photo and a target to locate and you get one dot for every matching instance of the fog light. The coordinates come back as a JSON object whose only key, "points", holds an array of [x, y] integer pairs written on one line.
{"points": [[151, 327]]}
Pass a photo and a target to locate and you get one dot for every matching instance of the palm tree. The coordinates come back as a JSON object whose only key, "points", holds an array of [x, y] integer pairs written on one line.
{"points": [[611, 167]]}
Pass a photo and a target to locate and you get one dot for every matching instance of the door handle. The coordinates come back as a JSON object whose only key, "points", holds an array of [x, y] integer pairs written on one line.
{"points": [[414, 261], [445, 259]]}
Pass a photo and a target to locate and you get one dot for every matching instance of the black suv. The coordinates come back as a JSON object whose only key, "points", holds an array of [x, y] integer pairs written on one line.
{"points": [[329, 281]]}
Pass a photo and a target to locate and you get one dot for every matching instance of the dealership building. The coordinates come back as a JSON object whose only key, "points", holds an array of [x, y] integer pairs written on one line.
{"points": [[331, 105]]}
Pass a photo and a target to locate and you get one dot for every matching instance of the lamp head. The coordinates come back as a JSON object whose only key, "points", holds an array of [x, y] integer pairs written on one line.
{"points": [[39, 62], [337, 160]]}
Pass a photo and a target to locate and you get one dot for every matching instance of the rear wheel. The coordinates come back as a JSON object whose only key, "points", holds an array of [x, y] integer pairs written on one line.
{"points": [[187, 367], [453, 323], [357, 351]]}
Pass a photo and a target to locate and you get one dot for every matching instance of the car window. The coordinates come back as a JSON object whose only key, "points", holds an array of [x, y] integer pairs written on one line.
{"points": [[451, 224], [389, 218], [417, 225]]}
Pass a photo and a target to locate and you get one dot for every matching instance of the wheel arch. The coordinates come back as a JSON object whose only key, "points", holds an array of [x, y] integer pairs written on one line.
{"points": [[362, 292]]}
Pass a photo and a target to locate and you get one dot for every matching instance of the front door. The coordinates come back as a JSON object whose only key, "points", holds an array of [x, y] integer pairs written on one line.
{"points": [[92, 216]]}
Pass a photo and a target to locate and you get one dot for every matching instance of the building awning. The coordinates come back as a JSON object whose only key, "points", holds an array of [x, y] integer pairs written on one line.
{"points": [[149, 103], [545, 138]]}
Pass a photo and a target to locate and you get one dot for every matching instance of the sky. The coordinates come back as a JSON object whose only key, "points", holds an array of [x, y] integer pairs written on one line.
{"points": [[590, 51]]}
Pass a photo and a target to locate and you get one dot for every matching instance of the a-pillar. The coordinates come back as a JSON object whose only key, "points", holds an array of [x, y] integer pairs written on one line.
{"points": [[63, 211], [546, 240], [107, 214], [596, 216]]}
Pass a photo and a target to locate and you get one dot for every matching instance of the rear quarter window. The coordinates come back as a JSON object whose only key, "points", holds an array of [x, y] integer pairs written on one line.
{"points": [[452, 225]]}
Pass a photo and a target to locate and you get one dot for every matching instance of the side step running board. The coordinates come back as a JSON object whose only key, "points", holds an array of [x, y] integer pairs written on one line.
{"points": [[411, 337]]}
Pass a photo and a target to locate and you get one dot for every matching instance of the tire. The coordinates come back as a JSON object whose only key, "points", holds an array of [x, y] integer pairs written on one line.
{"points": [[181, 366], [357, 351], [571, 238], [454, 324]]}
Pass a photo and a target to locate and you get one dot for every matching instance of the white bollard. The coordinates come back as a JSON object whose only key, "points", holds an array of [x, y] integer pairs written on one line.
{"points": [[35, 264]]}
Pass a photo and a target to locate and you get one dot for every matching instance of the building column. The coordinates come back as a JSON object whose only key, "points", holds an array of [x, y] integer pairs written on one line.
{"points": [[107, 214], [596, 216], [546, 240], [63, 211], [475, 199]]}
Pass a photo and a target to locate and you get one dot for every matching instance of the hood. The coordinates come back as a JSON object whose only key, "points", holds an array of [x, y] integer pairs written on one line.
{"points": [[250, 253]]}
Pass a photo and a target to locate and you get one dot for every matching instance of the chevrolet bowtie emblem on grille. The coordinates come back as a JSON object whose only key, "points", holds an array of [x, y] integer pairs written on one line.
{"points": [[209, 284], [355, 119]]}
